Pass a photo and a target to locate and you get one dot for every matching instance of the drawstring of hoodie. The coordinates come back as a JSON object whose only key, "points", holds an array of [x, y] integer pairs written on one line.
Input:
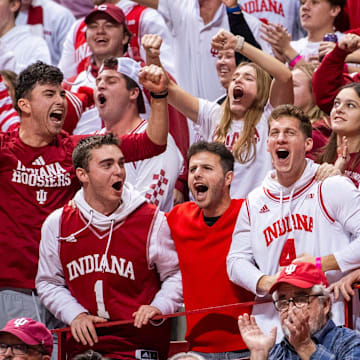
{"points": [[71, 237], [290, 212], [108, 242]]}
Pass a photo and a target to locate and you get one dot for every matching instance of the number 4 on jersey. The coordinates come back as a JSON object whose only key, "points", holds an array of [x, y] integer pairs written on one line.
{"points": [[288, 253]]}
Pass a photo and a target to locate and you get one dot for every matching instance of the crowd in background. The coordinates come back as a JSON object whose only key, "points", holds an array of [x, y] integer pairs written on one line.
{"points": [[174, 80]]}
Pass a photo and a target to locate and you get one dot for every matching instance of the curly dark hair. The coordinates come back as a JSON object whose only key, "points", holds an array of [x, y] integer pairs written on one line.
{"points": [[37, 73], [82, 152]]}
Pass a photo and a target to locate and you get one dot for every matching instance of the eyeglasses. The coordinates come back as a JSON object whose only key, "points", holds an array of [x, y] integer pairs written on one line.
{"points": [[18, 349], [299, 301]]}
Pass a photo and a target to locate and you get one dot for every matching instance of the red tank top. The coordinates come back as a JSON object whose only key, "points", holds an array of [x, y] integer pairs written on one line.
{"points": [[204, 276], [114, 285]]}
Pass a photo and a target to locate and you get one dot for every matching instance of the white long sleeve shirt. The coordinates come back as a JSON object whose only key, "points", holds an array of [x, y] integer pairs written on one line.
{"points": [[53, 27], [277, 224], [195, 60], [21, 49]]}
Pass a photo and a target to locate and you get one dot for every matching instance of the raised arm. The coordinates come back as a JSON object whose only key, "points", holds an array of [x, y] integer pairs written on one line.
{"points": [[154, 79], [329, 76], [178, 97], [282, 86], [149, 3]]}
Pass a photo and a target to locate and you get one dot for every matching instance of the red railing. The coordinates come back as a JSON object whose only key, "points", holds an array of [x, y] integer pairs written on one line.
{"points": [[175, 346], [179, 346]]}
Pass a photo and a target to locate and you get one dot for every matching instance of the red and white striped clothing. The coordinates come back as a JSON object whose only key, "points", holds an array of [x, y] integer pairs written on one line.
{"points": [[9, 117], [155, 178], [141, 21]]}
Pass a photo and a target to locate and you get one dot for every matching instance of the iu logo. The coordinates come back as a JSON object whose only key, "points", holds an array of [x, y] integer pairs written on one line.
{"points": [[290, 269], [20, 322], [214, 52], [41, 196]]}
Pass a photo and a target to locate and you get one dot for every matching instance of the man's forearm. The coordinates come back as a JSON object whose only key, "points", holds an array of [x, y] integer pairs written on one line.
{"points": [[265, 283], [158, 126], [149, 3], [329, 263]]}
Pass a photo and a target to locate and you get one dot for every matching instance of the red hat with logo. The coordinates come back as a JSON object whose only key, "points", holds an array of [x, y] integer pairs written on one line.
{"points": [[31, 332], [302, 275], [112, 10]]}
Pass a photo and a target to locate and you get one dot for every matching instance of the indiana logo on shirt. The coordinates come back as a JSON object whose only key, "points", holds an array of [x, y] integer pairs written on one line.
{"points": [[41, 196]]}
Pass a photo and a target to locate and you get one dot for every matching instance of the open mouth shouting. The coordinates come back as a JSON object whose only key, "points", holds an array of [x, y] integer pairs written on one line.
{"points": [[117, 185], [238, 93], [57, 115], [200, 191], [282, 154], [101, 99]]}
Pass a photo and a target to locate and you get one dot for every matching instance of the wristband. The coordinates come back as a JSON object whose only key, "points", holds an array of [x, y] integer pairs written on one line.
{"points": [[295, 60], [240, 43], [318, 262], [232, 10], [160, 95]]}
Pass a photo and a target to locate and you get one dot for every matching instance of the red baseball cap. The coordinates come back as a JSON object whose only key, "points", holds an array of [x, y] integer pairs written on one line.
{"points": [[112, 10], [302, 275], [31, 332]]}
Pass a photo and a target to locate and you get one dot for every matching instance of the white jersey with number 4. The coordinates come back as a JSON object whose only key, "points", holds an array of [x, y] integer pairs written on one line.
{"points": [[279, 224]]}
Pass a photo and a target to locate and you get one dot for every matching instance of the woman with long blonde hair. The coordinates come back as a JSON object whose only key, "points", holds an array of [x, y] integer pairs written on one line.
{"points": [[241, 121]]}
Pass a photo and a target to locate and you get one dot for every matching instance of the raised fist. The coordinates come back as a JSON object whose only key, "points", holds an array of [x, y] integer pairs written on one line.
{"points": [[350, 42], [151, 43], [224, 40], [153, 78]]}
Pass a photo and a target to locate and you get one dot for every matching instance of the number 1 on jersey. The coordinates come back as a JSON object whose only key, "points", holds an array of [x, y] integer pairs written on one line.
{"points": [[288, 253], [98, 288]]}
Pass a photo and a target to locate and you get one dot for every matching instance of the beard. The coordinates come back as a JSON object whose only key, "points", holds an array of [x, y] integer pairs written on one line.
{"points": [[315, 324]]}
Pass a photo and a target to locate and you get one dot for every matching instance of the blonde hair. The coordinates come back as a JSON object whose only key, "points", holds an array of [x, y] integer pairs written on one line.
{"points": [[315, 113], [244, 149]]}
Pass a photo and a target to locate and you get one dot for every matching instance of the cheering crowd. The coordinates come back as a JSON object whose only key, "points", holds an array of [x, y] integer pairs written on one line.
{"points": [[156, 154]]}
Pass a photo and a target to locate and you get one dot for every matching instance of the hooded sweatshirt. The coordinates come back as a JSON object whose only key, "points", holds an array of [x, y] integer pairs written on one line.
{"points": [[281, 223], [50, 280]]}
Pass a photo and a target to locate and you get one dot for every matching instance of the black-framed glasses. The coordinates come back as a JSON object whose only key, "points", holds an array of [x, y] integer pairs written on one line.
{"points": [[18, 349], [299, 301]]}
